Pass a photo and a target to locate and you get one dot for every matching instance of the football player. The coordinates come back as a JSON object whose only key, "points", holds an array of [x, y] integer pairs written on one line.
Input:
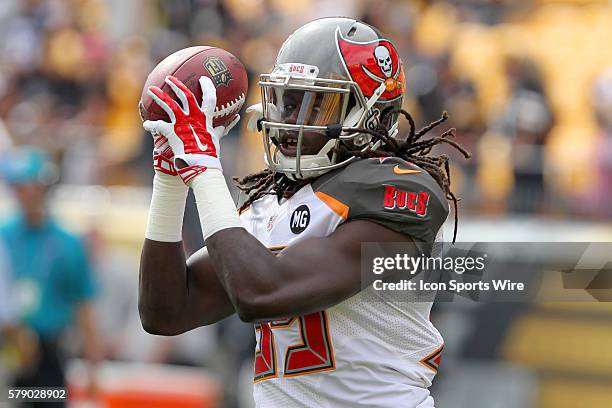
{"points": [[336, 176]]}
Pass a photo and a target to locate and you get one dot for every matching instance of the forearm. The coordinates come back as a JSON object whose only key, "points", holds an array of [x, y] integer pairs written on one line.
{"points": [[162, 283], [246, 268], [162, 286], [238, 257], [264, 286]]}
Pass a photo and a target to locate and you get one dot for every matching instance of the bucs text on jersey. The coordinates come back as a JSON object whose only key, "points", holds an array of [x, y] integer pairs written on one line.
{"points": [[368, 350]]}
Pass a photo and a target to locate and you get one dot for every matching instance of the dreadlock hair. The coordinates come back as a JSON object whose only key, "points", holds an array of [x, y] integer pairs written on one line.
{"points": [[414, 149]]}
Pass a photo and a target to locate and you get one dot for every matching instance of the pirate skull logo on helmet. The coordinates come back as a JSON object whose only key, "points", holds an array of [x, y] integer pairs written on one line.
{"points": [[383, 59]]}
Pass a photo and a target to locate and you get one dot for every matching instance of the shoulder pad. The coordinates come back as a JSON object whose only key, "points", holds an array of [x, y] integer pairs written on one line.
{"points": [[389, 191]]}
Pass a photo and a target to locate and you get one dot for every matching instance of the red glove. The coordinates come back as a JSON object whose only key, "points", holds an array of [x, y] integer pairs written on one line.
{"points": [[163, 157], [190, 132]]}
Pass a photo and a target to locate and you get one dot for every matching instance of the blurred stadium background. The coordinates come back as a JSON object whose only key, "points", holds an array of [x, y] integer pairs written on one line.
{"points": [[528, 85]]}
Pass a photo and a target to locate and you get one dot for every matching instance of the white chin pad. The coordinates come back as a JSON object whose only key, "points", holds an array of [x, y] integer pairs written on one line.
{"points": [[255, 113], [321, 159]]}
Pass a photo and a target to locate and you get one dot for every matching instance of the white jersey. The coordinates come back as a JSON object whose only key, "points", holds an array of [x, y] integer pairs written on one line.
{"points": [[366, 351]]}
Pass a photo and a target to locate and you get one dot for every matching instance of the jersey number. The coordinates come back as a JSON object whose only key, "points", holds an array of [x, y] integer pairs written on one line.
{"points": [[313, 354]]}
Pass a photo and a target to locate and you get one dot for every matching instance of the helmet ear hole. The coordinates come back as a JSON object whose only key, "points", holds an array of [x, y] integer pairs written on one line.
{"points": [[353, 112], [388, 117], [352, 102], [350, 114]]}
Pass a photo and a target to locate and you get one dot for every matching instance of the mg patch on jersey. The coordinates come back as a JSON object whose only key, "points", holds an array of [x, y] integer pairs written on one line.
{"points": [[397, 199], [299, 219]]}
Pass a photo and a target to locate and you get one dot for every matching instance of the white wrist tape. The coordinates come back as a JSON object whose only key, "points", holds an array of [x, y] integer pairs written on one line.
{"points": [[167, 209], [215, 205]]}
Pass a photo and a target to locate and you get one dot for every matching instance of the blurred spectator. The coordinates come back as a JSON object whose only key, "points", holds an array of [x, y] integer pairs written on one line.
{"points": [[7, 317], [17, 343], [438, 88], [526, 121], [599, 202], [7, 305], [51, 279], [118, 284]]}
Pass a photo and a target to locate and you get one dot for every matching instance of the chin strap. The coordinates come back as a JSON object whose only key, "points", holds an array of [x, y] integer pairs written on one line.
{"points": [[334, 131]]}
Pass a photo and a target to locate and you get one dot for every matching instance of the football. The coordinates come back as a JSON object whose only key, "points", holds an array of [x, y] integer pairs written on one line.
{"points": [[188, 65]]}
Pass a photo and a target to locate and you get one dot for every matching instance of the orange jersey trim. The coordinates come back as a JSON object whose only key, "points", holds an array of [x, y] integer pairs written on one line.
{"points": [[430, 361], [336, 206]]}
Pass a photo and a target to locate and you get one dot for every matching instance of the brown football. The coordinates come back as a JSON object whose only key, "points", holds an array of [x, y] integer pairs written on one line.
{"points": [[188, 65]]}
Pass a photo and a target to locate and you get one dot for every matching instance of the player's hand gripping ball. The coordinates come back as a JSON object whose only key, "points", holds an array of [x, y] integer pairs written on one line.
{"points": [[190, 132], [188, 66]]}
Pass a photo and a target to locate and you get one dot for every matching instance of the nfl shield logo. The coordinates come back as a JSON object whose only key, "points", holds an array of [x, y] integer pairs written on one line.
{"points": [[219, 72]]}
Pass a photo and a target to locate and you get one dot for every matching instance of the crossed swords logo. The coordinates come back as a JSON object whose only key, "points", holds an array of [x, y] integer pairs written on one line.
{"points": [[383, 59]]}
